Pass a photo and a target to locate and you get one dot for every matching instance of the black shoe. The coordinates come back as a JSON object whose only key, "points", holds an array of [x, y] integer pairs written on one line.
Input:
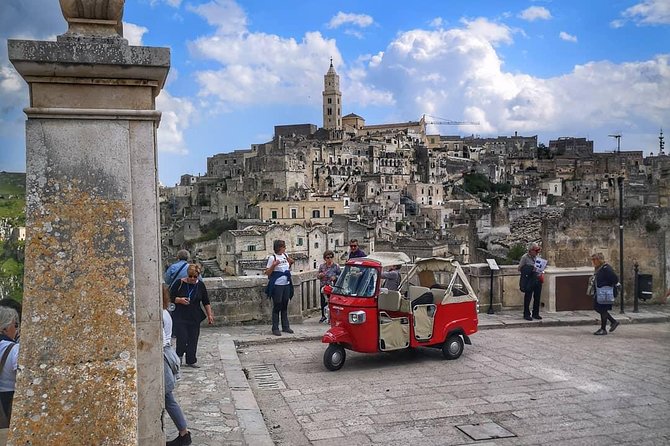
{"points": [[528, 318], [602, 331], [193, 366], [181, 440], [538, 317], [276, 332], [287, 330], [613, 326], [323, 319]]}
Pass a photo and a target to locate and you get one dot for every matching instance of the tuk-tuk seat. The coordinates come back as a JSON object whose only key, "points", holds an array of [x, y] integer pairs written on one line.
{"points": [[438, 295], [389, 301], [415, 291]]}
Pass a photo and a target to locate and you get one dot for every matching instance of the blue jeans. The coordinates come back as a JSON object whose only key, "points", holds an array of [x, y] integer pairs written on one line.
{"points": [[171, 405]]}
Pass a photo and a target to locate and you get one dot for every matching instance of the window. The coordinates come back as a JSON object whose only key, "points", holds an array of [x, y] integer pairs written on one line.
{"points": [[316, 244], [330, 101], [237, 210], [316, 213], [234, 161], [227, 248], [330, 111], [331, 212], [274, 214], [300, 241], [294, 213], [251, 248]]}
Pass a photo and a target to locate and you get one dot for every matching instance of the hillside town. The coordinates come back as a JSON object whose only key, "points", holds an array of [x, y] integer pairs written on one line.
{"points": [[397, 186]]}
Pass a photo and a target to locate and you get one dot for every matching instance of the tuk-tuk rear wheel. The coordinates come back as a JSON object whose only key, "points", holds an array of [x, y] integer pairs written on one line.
{"points": [[334, 357], [453, 347]]}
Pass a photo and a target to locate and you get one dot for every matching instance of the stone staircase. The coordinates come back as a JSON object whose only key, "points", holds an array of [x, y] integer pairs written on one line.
{"points": [[212, 268]]}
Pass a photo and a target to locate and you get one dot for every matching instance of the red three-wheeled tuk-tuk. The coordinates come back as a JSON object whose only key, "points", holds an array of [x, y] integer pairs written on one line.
{"points": [[435, 307]]}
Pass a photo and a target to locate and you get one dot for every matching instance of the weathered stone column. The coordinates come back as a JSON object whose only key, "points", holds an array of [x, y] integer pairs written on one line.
{"points": [[90, 364]]}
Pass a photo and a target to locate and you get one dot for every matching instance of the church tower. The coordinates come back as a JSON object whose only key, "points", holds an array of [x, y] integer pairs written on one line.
{"points": [[332, 100]]}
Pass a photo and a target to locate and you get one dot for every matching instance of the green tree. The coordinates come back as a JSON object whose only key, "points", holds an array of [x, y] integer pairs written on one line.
{"points": [[515, 252]]}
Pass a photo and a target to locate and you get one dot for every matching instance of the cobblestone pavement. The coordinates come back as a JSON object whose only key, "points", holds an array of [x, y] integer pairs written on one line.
{"points": [[554, 385]]}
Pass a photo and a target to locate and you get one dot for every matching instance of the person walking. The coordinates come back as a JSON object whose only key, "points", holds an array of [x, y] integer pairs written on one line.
{"points": [[170, 374], [354, 250], [328, 273], [9, 354], [280, 286], [188, 294], [530, 283], [604, 276]]}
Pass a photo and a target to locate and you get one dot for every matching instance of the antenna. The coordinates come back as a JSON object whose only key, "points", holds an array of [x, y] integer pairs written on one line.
{"points": [[618, 141]]}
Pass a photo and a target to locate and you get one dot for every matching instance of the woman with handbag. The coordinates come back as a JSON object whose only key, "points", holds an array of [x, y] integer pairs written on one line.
{"points": [[602, 286], [9, 352], [189, 295]]}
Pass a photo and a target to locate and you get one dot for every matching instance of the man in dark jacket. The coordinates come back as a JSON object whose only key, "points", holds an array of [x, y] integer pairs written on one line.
{"points": [[354, 250], [530, 283]]}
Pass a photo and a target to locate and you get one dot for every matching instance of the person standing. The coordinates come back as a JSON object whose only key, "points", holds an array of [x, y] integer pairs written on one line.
{"points": [[328, 273], [170, 374], [530, 282], [392, 277], [280, 286], [188, 294], [604, 277], [177, 270], [9, 352], [354, 250]]}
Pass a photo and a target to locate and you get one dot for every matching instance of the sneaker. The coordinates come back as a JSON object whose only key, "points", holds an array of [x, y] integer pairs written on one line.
{"points": [[323, 319], [181, 440], [288, 330], [613, 326], [538, 317], [193, 366], [276, 332], [528, 318], [602, 331], [181, 360]]}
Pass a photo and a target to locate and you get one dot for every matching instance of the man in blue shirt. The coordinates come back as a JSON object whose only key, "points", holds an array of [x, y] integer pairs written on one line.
{"points": [[354, 250], [177, 270]]}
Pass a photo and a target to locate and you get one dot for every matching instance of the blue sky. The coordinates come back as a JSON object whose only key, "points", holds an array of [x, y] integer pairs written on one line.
{"points": [[551, 68]]}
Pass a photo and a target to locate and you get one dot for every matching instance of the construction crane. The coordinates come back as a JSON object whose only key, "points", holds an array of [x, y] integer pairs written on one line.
{"points": [[618, 141], [441, 121]]}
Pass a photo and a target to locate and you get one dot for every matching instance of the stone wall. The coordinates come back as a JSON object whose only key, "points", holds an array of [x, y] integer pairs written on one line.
{"points": [[242, 300], [570, 241]]}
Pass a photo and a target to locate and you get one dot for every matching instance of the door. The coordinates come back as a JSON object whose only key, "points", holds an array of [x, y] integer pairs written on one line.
{"points": [[571, 293]]}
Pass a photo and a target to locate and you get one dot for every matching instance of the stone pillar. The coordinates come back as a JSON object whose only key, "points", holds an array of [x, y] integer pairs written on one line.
{"points": [[90, 364]]}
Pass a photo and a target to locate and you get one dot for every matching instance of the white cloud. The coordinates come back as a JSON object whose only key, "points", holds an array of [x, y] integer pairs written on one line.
{"points": [[173, 3], [567, 37], [343, 18], [459, 75], [437, 22], [494, 33], [226, 15], [176, 116], [535, 13], [134, 33], [649, 12]]}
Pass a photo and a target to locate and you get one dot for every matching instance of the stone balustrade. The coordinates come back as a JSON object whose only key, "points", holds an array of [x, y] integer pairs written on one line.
{"points": [[242, 300]]}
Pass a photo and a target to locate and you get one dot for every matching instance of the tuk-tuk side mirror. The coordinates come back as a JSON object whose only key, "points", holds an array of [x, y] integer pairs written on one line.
{"points": [[327, 290]]}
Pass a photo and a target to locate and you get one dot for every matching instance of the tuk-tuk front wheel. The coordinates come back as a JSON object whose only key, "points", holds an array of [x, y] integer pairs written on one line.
{"points": [[334, 357], [453, 347]]}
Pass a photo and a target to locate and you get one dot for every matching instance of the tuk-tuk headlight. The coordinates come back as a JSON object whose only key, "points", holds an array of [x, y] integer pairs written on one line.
{"points": [[357, 317]]}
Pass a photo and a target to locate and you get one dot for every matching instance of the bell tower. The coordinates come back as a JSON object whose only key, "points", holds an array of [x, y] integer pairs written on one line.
{"points": [[332, 100]]}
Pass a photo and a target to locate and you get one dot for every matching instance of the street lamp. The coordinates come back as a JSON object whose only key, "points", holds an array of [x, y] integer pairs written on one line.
{"points": [[620, 184]]}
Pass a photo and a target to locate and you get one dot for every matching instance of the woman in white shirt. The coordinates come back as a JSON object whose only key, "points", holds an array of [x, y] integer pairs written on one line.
{"points": [[9, 349], [280, 286]]}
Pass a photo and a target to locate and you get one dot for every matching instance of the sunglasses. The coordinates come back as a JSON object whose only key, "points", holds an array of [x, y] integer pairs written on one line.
{"points": [[192, 277], [353, 246], [329, 257]]}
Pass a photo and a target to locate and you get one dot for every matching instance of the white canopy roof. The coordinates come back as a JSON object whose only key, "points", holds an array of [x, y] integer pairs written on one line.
{"points": [[388, 258]]}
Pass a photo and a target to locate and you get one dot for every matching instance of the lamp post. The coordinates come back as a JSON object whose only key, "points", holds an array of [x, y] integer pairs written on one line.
{"points": [[621, 271], [636, 267]]}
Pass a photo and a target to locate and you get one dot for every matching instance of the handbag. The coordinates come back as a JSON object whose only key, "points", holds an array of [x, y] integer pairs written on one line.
{"points": [[4, 419], [605, 295]]}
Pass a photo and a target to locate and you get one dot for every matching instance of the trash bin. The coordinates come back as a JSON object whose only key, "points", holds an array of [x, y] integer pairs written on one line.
{"points": [[644, 282]]}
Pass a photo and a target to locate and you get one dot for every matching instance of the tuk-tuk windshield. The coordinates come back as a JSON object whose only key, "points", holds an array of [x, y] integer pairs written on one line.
{"points": [[356, 280]]}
